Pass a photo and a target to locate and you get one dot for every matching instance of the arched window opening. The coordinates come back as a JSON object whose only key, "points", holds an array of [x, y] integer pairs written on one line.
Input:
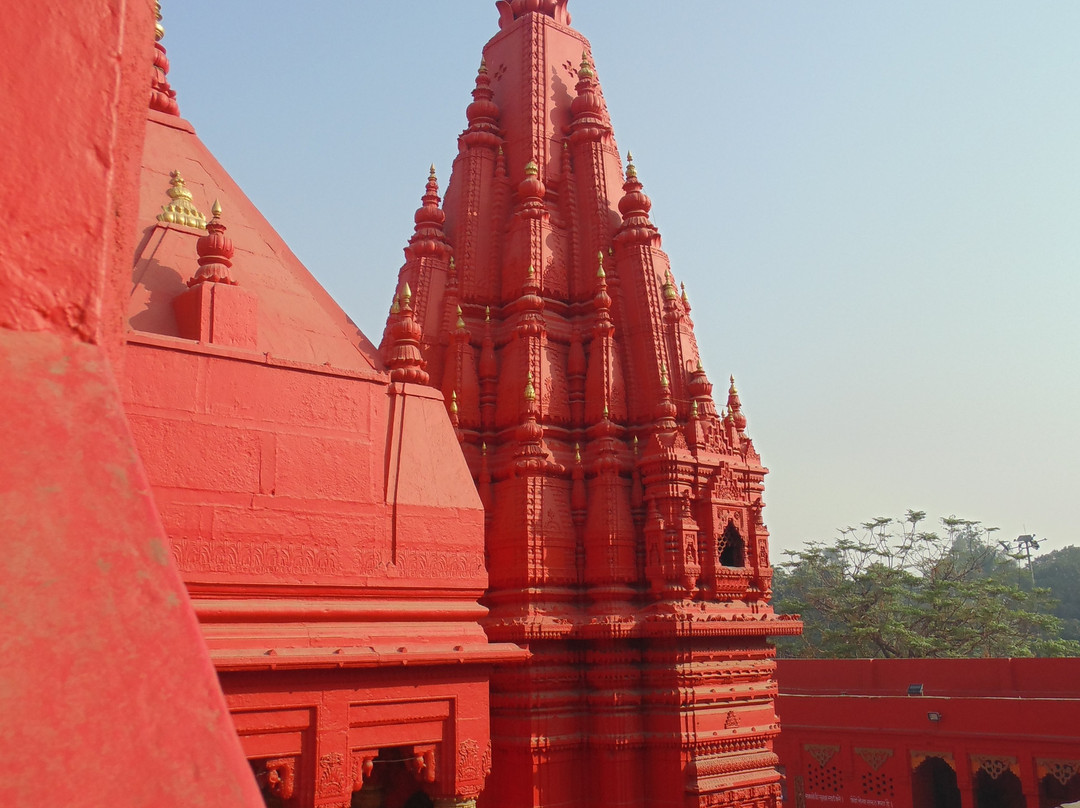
{"points": [[1003, 791], [933, 785], [730, 548], [1061, 786]]}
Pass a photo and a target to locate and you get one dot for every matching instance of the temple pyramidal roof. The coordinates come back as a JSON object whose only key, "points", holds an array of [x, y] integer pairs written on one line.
{"points": [[297, 319]]}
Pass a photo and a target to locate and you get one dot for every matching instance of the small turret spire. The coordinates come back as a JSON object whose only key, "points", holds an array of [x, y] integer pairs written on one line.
{"points": [[734, 406], [404, 359], [429, 238], [483, 113], [215, 253], [636, 226], [162, 96]]}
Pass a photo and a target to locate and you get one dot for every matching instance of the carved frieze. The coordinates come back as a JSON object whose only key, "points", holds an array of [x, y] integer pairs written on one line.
{"points": [[875, 758]]}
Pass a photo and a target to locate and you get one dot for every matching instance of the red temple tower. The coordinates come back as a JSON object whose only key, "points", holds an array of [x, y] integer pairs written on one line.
{"points": [[625, 542]]}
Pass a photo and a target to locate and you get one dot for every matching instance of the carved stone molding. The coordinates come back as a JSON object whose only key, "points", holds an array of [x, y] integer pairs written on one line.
{"points": [[473, 763], [332, 773], [821, 753], [918, 758], [1061, 770], [281, 777], [994, 765], [875, 758]]}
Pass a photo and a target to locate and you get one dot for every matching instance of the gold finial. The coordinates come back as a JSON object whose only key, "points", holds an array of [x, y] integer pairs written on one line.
{"points": [[483, 64], [700, 368], [159, 29], [530, 391], [631, 169], [216, 209], [585, 71], [600, 265], [531, 168], [395, 307], [180, 209], [733, 390], [635, 444], [453, 402], [693, 409], [664, 381], [531, 273], [606, 412], [487, 314], [406, 295], [431, 174], [685, 298], [577, 453], [483, 448], [630, 157], [460, 320], [669, 287]]}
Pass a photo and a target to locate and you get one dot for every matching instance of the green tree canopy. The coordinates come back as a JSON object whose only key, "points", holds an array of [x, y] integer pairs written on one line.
{"points": [[1059, 572], [891, 589]]}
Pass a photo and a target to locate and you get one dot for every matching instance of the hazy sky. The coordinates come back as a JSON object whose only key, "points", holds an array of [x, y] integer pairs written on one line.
{"points": [[875, 207]]}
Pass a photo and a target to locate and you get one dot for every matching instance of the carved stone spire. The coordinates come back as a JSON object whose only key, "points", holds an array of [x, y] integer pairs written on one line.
{"points": [[734, 406], [531, 192], [608, 486], [162, 96], [635, 206], [429, 239], [405, 361], [483, 113], [588, 120], [215, 253], [665, 408]]}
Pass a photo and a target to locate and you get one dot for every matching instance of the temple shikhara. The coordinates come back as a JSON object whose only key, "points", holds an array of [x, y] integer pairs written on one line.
{"points": [[623, 508]]}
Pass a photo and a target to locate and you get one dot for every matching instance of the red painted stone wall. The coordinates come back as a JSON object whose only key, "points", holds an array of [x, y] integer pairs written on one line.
{"points": [[107, 694], [1004, 731]]}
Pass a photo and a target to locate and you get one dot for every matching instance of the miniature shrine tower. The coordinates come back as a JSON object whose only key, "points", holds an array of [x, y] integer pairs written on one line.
{"points": [[625, 542]]}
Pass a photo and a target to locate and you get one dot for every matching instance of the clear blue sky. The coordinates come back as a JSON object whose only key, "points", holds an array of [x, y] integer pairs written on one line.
{"points": [[875, 208]]}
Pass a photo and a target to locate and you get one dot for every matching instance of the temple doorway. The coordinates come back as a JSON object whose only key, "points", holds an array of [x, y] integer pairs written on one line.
{"points": [[1003, 791], [933, 785], [393, 782], [1060, 787]]}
